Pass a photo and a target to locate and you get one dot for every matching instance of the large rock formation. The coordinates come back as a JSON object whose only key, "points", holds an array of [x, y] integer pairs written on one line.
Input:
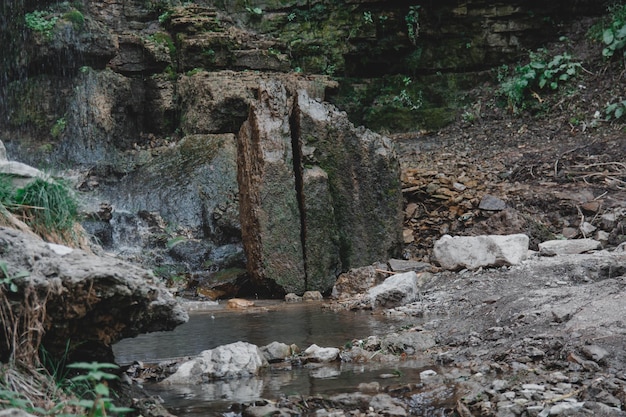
{"points": [[84, 303], [148, 100], [318, 196]]}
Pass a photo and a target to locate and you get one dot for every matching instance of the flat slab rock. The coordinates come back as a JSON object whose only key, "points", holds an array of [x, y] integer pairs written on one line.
{"points": [[473, 252], [568, 247]]}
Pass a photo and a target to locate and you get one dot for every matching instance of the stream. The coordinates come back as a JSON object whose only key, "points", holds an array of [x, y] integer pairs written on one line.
{"points": [[302, 324]]}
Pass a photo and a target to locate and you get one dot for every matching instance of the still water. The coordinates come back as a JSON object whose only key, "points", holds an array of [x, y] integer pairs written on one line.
{"points": [[302, 324]]}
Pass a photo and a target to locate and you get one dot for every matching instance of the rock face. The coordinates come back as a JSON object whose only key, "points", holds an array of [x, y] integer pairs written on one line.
{"points": [[302, 226], [473, 252], [90, 302]]}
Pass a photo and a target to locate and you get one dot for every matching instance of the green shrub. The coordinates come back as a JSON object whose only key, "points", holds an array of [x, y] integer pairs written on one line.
{"points": [[48, 207], [41, 21], [615, 110], [541, 72], [76, 17], [612, 30]]}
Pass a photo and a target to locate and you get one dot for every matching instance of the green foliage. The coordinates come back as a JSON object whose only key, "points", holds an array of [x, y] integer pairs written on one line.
{"points": [[615, 39], [41, 21], [58, 128], [412, 23], [96, 397], [542, 71], [48, 207], [255, 12], [165, 17], [7, 279], [6, 190], [164, 38], [611, 31], [615, 110], [76, 17], [367, 18]]}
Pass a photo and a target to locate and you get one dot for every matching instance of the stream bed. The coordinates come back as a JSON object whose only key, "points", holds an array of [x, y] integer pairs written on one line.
{"points": [[302, 324]]}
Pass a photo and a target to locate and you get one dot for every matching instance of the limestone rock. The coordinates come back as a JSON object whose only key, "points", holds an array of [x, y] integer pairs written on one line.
{"points": [[97, 300], [568, 247], [396, 290], [239, 303], [473, 252], [315, 353], [276, 351], [364, 179], [491, 203], [312, 296], [239, 359], [356, 281], [270, 213], [401, 265], [409, 342]]}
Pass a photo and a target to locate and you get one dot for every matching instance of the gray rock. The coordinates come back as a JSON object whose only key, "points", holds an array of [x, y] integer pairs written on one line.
{"points": [[491, 203], [110, 299], [396, 290], [473, 252], [388, 406], [401, 265], [14, 412], [595, 353], [314, 353], [3, 153], [356, 281], [276, 351], [234, 360], [409, 342], [312, 296], [568, 247], [292, 298]]}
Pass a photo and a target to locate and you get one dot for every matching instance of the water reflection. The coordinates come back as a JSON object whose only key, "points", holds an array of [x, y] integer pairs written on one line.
{"points": [[302, 324]]}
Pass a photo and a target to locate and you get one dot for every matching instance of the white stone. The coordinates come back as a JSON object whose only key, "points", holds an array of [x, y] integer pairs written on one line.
{"points": [[237, 359], [427, 373], [319, 354], [473, 252], [568, 247], [395, 291], [60, 249]]}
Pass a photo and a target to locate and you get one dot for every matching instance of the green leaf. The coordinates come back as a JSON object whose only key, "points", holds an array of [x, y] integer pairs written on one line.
{"points": [[607, 53], [102, 390], [608, 36], [619, 111], [554, 85], [564, 77], [542, 82]]}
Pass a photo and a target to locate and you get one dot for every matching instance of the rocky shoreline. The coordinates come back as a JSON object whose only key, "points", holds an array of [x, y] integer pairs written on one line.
{"points": [[544, 337]]}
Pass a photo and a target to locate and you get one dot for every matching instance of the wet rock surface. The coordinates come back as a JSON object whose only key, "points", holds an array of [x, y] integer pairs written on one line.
{"points": [[90, 300]]}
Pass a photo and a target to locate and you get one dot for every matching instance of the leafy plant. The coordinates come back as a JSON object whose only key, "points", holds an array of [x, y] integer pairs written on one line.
{"points": [[58, 128], [41, 21], [7, 279], [615, 110], [96, 399], [612, 31], [412, 23], [542, 71]]}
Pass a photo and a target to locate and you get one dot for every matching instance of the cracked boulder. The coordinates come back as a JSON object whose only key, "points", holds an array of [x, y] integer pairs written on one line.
{"points": [[317, 195]]}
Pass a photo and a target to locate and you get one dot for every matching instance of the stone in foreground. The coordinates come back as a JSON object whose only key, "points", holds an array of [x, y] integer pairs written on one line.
{"points": [[235, 360], [473, 252], [395, 291]]}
